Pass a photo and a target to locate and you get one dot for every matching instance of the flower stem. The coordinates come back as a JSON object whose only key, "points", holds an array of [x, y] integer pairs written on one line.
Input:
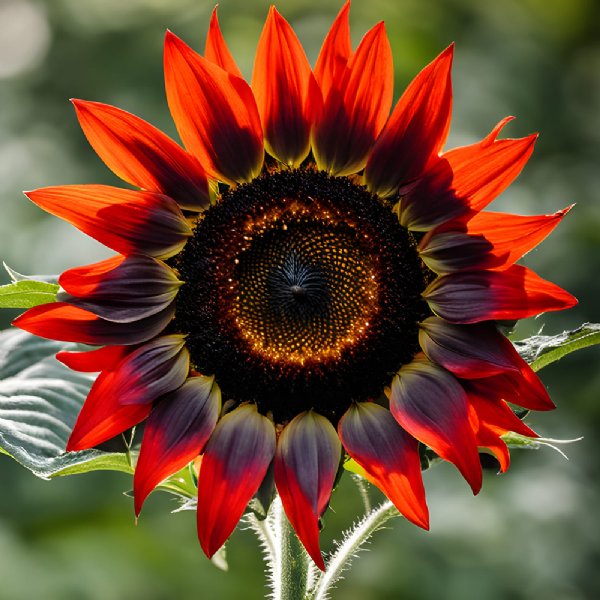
{"points": [[350, 545], [291, 568]]}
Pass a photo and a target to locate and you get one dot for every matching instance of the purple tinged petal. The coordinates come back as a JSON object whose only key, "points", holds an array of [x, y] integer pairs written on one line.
{"points": [[152, 370], [514, 293], [468, 351], [388, 455], [122, 394], [306, 462], [127, 221], [176, 432], [233, 466], [61, 321], [429, 403], [455, 251], [138, 287]]}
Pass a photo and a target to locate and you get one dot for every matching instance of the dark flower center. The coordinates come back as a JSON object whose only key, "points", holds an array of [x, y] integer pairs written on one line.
{"points": [[302, 291]]}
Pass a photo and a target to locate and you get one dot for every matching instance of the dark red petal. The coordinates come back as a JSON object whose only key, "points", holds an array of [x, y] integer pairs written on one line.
{"points": [[142, 155], [356, 107], [126, 391], [216, 49], [233, 466], [135, 288], [215, 114], [487, 240], [61, 321], [429, 403], [175, 433], [102, 418], [523, 388], [335, 52], [416, 131], [496, 414], [464, 179], [469, 351], [126, 221], [389, 456], [306, 462], [449, 252], [92, 361], [283, 86], [515, 293], [491, 420]]}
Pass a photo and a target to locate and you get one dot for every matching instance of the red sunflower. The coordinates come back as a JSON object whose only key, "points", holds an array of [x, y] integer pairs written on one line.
{"points": [[321, 265]]}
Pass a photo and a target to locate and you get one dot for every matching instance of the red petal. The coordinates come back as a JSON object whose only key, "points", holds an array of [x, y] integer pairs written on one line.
{"points": [[469, 351], [92, 361], [429, 403], [236, 459], [493, 419], [126, 221], [523, 388], [216, 49], [493, 241], [215, 114], [496, 414], [515, 293], [389, 456], [175, 433], [335, 52], [356, 107], [283, 86], [131, 289], [142, 155], [416, 131], [126, 391], [61, 321], [306, 462], [464, 179]]}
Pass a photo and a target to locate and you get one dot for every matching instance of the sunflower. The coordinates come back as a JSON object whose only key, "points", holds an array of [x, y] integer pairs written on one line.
{"points": [[311, 280]]}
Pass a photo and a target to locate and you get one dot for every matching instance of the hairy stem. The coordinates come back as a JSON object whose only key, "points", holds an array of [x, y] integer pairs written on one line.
{"points": [[291, 568], [350, 545]]}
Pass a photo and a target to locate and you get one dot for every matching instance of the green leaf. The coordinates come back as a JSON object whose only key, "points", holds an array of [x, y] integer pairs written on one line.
{"points": [[27, 293], [542, 350], [39, 401]]}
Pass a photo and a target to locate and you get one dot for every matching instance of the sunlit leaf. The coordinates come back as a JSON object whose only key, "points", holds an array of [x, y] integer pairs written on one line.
{"points": [[39, 402], [542, 350], [26, 293]]}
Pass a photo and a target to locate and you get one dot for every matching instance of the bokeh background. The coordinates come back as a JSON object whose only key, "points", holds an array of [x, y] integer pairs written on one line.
{"points": [[532, 533]]}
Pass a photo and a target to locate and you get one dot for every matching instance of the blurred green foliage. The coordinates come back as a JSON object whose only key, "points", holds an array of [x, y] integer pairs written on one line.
{"points": [[532, 533]]}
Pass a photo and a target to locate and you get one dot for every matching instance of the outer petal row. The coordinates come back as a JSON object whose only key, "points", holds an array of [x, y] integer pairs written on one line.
{"points": [[515, 293], [464, 180], [126, 221], [67, 323], [176, 432], [487, 240], [431, 405], [142, 155], [285, 91], [389, 457], [122, 395], [357, 94], [215, 114], [306, 462], [121, 289], [416, 131], [234, 463]]}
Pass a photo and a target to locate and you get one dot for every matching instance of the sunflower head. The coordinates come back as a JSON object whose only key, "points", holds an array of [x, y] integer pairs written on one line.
{"points": [[313, 278]]}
